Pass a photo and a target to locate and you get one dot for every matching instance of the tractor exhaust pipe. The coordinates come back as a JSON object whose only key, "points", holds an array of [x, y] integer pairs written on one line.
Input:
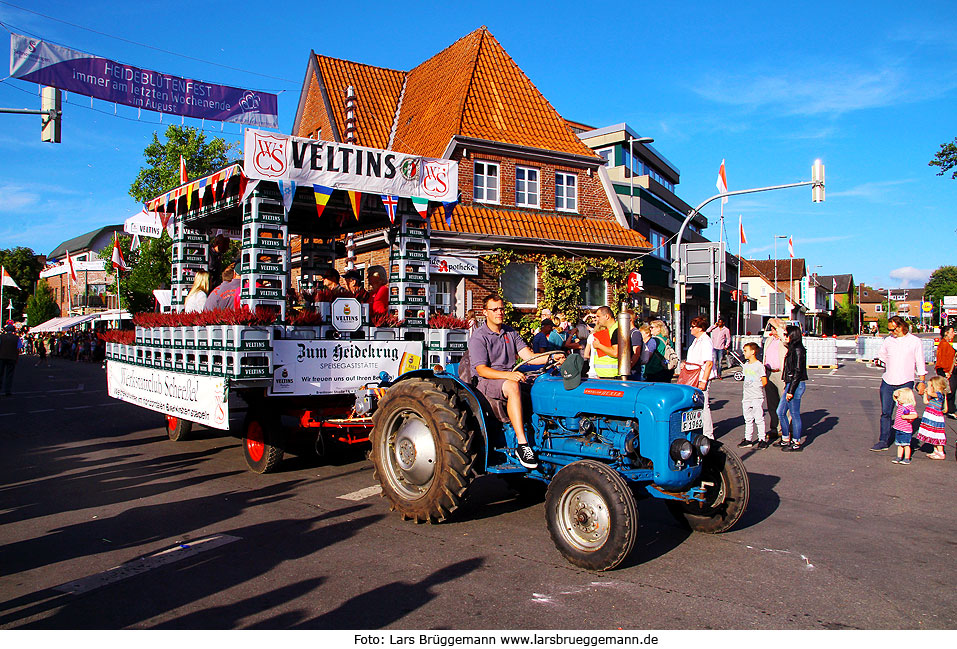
{"points": [[624, 342]]}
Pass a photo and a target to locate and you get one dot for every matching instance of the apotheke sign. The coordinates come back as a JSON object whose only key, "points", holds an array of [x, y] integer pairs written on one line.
{"points": [[453, 265]]}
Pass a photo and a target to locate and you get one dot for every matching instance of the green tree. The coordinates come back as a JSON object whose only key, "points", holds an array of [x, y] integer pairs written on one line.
{"points": [[946, 158], [942, 282], [41, 306], [150, 267], [845, 318], [162, 158], [24, 267]]}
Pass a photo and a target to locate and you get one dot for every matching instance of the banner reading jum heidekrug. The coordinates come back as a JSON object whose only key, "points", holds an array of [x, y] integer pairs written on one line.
{"points": [[85, 74]]}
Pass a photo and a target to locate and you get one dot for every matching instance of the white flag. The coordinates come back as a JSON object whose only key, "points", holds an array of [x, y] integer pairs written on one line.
{"points": [[722, 183], [69, 261], [791, 246], [118, 254]]}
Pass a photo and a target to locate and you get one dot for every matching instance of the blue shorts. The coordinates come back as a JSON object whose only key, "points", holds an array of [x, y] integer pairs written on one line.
{"points": [[903, 437]]}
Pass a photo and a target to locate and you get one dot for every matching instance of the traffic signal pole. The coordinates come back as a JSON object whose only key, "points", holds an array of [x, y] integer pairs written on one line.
{"points": [[817, 196]]}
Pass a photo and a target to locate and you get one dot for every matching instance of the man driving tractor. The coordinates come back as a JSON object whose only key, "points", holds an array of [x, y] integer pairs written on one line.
{"points": [[493, 351]]}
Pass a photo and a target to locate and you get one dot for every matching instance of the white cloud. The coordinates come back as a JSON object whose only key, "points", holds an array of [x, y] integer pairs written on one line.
{"points": [[908, 274], [877, 192], [16, 198], [783, 245]]}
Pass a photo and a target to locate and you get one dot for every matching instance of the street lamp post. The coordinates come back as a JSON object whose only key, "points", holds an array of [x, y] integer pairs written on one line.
{"points": [[676, 264]]}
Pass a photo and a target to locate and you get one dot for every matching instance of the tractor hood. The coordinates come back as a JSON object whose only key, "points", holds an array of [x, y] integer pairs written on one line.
{"points": [[611, 398]]}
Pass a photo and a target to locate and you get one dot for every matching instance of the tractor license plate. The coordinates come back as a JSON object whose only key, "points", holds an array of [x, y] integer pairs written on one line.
{"points": [[692, 420]]}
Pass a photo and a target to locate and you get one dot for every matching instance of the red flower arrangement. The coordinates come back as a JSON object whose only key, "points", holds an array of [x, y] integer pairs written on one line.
{"points": [[306, 318], [123, 337], [447, 322], [242, 316], [386, 320]]}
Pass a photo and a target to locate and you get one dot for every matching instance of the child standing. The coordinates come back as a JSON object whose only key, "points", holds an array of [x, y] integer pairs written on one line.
{"points": [[906, 413], [752, 398], [931, 429]]}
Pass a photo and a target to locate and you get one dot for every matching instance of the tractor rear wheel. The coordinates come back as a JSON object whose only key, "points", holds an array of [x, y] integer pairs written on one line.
{"points": [[726, 495], [591, 515], [178, 429], [262, 441], [422, 450]]}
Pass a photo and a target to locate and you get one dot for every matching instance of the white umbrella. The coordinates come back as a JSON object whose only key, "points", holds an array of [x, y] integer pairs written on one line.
{"points": [[145, 224]]}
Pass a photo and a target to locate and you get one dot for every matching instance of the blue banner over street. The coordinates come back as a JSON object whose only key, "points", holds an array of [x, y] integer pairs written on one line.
{"points": [[60, 67]]}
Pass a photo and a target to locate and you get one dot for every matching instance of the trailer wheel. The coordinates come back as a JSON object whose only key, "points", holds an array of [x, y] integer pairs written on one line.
{"points": [[422, 450], [591, 515], [262, 442], [178, 429], [726, 497]]}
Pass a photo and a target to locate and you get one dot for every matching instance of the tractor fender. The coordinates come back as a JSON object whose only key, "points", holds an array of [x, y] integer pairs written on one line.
{"points": [[465, 391]]}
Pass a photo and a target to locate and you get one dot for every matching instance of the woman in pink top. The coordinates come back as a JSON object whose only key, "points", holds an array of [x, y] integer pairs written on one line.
{"points": [[903, 358]]}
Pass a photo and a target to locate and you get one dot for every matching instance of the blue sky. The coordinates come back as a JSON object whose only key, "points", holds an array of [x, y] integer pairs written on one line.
{"points": [[868, 87]]}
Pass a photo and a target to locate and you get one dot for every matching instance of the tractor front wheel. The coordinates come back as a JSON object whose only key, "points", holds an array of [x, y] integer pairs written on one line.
{"points": [[262, 441], [726, 493], [178, 429], [591, 515], [422, 450]]}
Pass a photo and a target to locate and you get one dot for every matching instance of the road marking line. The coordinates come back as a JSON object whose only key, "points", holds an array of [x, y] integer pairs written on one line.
{"points": [[144, 564], [362, 494], [7, 414], [33, 412], [77, 407]]}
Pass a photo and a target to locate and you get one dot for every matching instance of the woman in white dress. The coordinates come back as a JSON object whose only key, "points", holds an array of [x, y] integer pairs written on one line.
{"points": [[701, 353], [196, 299]]}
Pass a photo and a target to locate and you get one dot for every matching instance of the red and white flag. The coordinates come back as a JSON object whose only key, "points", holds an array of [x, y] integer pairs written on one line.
{"points": [[118, 254], [791, 247], [6, 280], [722, 183], [182, 170], [744, 239], [69, 261]]}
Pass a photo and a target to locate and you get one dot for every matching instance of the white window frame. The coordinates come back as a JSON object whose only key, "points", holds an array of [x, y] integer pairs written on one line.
{"points": [[526, 181], [610, 160], [564, 197], [498, 181], [595, 275], [524, 305], [661, 251]]}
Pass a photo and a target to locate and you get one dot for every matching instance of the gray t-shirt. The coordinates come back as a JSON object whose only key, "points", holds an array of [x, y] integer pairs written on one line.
{"points": [[496, 351], [753, 390]]}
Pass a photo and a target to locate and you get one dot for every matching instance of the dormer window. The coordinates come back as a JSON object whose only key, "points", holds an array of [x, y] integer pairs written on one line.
{"points": [[526, 187], [485, 183], [566, 192]]}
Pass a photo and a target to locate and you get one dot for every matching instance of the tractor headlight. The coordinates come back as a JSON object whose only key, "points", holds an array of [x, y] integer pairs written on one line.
{"points": [[703, 444], [681, 450]]}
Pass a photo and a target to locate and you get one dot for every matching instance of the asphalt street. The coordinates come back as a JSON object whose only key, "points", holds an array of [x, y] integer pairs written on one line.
{"points": [[106, 524]]}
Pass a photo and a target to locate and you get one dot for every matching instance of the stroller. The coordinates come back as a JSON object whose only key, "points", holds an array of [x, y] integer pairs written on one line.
{"points": [[735, 361]]}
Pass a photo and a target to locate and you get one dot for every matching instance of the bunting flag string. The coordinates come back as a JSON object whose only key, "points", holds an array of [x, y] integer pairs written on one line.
{"points": [[448, 211], [246, 187], [323, 194], [421, 206], [133, 244], [391, 206], [355, 199]]}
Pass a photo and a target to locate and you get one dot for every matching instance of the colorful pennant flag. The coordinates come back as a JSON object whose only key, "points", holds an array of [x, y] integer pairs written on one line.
{"points": [[182, 170], [448, 211], [135, 243], [791, 246], [69, 261], [391, 206], [355, 199], [288, 190], [118, 254], [421, 206], [323, 194], [722, 183], [744, 239]]}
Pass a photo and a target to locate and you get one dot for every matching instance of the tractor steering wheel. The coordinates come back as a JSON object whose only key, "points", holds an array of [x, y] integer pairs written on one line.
{"points": [[549, 364]]}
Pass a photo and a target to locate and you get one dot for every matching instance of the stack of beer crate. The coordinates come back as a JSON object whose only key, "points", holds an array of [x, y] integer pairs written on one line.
{"points": [[317, 256], [264, 263], [190, 254], [409, 276]]}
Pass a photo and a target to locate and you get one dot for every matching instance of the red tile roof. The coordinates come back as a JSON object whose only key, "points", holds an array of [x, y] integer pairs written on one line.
{"points": [[477, 219]]}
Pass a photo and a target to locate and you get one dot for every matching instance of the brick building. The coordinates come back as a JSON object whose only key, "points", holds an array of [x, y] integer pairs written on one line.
{"points": [[526, 181], [762, 277], [89, 294], [906, 303]]}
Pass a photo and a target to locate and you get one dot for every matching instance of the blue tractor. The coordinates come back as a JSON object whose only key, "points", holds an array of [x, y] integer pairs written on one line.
{"points": [[601, 445]]}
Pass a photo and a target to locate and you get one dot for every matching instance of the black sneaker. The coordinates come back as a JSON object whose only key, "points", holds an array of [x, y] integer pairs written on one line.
{"points": [[745, 443], [877, 448], [526, 456], [763, 443]]}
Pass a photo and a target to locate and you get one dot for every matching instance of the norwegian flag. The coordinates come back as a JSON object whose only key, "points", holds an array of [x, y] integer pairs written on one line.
{"points": [[722, 183], [118, 254], [69, 261], [791, 247], [182, 170], [744, 239], [391, 205]]}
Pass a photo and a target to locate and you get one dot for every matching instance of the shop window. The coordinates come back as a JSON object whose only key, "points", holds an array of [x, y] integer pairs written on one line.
{"points": [[518, 284]]}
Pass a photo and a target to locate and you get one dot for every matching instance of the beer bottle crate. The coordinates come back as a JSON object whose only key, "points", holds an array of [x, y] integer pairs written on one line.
{"points": [[443, 357], [409, 293], [239, 365], [259, 286], [239, 338], [450, 340], [412, 316], [190, 236], [190, 253], [268, 261], [264, 208], [254, 303], [265, 236], [408, 271]]}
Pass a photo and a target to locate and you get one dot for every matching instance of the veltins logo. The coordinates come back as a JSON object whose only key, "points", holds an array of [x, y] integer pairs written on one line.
{"points": [[346, 310], [409, 168], [435, 179], [346, 314], [269, 154]]}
